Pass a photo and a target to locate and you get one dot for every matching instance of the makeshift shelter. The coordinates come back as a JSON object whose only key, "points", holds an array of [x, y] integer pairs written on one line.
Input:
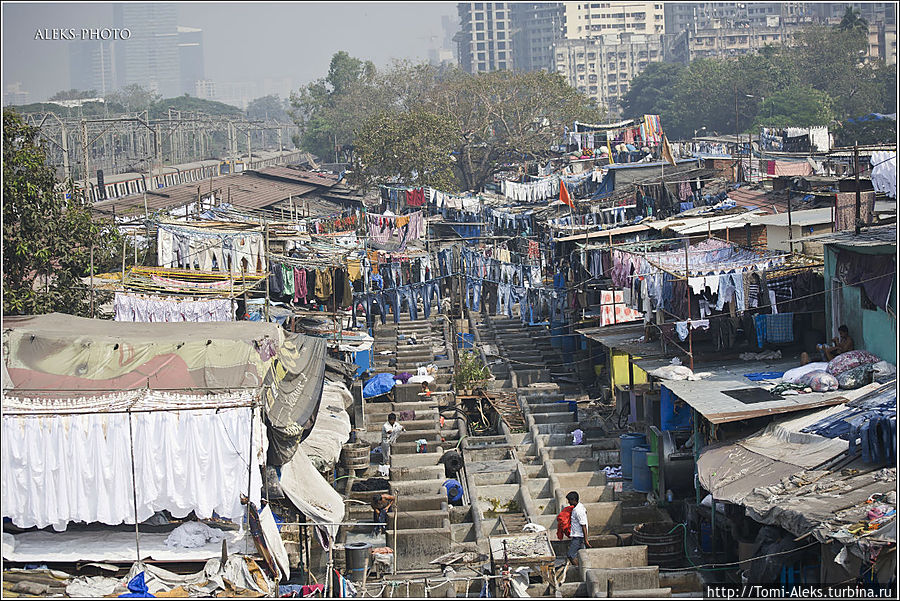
{"points": [[147, 417]]}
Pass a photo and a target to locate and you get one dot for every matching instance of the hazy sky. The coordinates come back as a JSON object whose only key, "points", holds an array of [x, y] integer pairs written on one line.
{"points": [[242, 41]]}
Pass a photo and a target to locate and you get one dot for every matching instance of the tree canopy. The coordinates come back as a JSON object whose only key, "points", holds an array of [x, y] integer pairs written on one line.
{"points": [[268, 107], [825, 69], [47, 236], [484, 119]]}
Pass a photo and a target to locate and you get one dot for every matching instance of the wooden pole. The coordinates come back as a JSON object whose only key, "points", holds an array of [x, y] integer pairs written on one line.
{"points": [[858, 195], [790, 226], [396, 513], [690, 329], [92, 281], [137, 537], [268, 270]]}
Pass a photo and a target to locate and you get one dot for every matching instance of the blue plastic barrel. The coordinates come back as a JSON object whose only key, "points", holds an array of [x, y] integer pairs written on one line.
{"points": [[641, 480], [627, 442]]}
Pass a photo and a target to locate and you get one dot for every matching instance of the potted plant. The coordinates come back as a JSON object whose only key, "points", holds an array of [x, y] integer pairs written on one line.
{"points": [[469, 373]]}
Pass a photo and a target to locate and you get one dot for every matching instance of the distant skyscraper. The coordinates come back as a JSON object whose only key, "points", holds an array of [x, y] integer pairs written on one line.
{"points": [[536, 27], [484, 36], [92, 65], [150, 58], [15, 95], [190, 57], [205, 89]]}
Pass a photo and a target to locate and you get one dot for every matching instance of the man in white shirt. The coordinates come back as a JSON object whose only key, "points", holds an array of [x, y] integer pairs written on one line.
{"points": [[579, 531], [389, 432]]}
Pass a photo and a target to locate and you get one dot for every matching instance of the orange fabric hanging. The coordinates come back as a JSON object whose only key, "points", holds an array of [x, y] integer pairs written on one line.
{"points": [[564, 194]]}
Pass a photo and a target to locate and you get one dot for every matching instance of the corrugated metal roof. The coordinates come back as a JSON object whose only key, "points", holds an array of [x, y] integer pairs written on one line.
{"points": [[707, 396], [758, 199], [630, 229], [243, 190], [799, 218], [307, 177], [878, 235]]}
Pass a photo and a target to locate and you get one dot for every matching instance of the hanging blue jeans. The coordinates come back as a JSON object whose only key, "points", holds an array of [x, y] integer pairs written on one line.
{"points": [[430, 289], [728, 283], [392, 298], [503, 298], [408, 294], [473, 294]]}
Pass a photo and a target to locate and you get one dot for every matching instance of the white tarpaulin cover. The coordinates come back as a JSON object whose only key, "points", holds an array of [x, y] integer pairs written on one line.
{"points": [[311, 493], [332, 429], [63, 468], [105, 544], [730, 472]]}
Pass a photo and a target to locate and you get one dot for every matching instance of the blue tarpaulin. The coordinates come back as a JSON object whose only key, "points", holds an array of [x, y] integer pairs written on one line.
{"points": [[378, 385]]}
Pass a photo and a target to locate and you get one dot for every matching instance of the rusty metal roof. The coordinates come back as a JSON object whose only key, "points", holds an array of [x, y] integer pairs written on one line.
{"points": [[759, 199], [243, 190], [307, 177]]}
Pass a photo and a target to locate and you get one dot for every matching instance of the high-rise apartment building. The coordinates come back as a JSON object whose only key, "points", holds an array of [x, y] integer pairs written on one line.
{"points": [[705, 15], [536, 27], [585, 21], [190, 57], [150, 57], [484, 37], [92, 65], [602, 67]]}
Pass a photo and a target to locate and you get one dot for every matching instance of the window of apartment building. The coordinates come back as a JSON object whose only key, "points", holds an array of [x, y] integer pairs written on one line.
{"points": [[481, 56], [482, 67], [611, 77], [581, 78], [501, 45], [580, 55], [498, 5], [499, 25], [642, 65], [592, 78], [623, 88], [612, 89], [593, 89], [592, 55], [479, 16], [612, 67], [592, 66], [479, 26], [480, 45], [640, 26], [639, 15], [501, 35], [580, 67], [502, 64], [479, 6], [479, 36], [501, 56], [498, 15]]}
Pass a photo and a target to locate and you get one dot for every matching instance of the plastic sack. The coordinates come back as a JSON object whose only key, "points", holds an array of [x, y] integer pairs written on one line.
{"points": [[819, 381], [672, 372], [794, 375], [193, 534], [854, 378], [884, 371], [849, 360]]}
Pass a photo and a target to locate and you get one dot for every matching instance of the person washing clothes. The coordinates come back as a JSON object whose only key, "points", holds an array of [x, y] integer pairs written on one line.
{"points": [[381, 503], [389, 433]]}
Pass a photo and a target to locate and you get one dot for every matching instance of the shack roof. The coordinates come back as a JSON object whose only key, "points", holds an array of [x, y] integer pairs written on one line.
{"points": [[629, 229], [708, 395], [879, 235], [776, 473], [243, 190], [326, 180]]}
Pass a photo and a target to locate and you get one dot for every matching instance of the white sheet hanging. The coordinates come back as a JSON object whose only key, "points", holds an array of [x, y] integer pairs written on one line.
{"points": [[64, 468]]}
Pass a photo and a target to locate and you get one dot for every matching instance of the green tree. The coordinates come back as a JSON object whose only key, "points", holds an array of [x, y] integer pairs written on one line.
{"points": [[650, 93], [134, 98], [797, 106], [413, 147], [329, 109], [47, 234], [74, 94], [505, 115], [833, 61], [852, 22], [268, 107]]}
